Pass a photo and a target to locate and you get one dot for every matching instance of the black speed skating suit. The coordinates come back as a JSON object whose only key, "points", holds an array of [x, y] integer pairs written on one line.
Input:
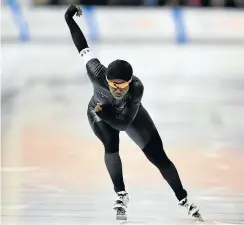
{"points": [[127, 114]]}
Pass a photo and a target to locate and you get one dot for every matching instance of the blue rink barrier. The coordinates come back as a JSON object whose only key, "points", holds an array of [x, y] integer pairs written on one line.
{"points": [[89, 12], [19, 20], [177, 19], [180, 31], [89, 16]]}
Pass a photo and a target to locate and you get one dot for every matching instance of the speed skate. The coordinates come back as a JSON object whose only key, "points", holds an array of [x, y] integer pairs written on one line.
{"points": [[121, 204], [192, 209]]}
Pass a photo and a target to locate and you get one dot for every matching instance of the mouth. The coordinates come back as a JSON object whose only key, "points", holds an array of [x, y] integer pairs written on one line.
{"points": [[118, 96]]}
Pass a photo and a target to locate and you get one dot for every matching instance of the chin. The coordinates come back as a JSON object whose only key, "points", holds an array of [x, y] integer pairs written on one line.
{"points": [[120, 97]]}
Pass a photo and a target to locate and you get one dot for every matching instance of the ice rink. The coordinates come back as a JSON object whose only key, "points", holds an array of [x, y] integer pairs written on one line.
{"points": [[52, 164]]}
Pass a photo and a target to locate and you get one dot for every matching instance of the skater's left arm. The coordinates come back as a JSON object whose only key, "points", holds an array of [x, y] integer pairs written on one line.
{"points": [[124, 119]]}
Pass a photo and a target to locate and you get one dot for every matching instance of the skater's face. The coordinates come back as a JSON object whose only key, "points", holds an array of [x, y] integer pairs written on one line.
{"points": [[118, 88]]}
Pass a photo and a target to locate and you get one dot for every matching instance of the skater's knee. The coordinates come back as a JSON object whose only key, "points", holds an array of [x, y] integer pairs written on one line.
{"points": [[154, 146], [111, 145], [110, 141], [154, 151], [110, 149]]}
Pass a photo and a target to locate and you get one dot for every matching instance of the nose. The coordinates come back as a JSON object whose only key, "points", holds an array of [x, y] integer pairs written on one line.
{"points": [[118, 90]]}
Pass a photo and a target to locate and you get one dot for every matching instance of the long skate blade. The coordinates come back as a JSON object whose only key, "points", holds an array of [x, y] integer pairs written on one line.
{"points": [[121, 214], [121, 217]]}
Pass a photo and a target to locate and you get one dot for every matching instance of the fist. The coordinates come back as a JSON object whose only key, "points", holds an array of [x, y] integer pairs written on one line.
{"points": [[79, 11], [98, 107], [72, 10]]}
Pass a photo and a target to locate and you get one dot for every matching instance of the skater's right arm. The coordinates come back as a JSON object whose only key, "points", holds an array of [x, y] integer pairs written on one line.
{"points": [[94, 68]]}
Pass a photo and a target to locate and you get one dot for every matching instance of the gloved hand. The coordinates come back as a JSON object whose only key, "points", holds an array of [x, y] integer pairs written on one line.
{"points": [[104, 111], [72, 10]]}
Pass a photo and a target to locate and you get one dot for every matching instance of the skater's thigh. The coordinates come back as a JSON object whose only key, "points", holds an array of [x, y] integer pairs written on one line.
{"points": [[142, 129], [106, 134]]}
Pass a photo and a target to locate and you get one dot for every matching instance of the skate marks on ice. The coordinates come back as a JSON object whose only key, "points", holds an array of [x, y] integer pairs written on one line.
{"points": [[55, 206], [50, 130]]}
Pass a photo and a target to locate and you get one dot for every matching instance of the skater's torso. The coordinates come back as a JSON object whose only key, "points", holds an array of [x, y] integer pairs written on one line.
{"points": [[102, 94], [140, 126]]}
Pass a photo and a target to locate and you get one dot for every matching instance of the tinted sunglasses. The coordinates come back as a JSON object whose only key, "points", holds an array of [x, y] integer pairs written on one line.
{"points": [[121, 86]]}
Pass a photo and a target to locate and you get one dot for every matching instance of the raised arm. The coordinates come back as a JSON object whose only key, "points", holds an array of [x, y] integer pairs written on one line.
{"points": [[76, 33], [94, 68]]}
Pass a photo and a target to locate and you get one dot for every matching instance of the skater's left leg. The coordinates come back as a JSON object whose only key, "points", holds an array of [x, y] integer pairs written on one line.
{"points": [[146, 136], [155, 153]]}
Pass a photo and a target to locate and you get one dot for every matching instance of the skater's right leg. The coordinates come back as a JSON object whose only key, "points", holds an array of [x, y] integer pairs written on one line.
{"points": [[110, 139]]}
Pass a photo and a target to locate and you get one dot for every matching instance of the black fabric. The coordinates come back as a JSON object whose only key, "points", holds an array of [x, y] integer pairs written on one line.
{"points": [[155, 153], [119, 69], [144, 133], [76, 33], [110, 139], [114, 167], [142, 128], [107, 112], [96, 72], [107, 135]]}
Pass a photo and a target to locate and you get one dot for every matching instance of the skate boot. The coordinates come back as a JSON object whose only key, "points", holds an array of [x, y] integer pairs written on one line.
{"points": [[120, 205], [192, 209]]}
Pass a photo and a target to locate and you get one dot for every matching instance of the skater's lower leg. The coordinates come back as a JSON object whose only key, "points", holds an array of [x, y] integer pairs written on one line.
{"points": [[171, 175], [114, 167], [155, 153]]}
